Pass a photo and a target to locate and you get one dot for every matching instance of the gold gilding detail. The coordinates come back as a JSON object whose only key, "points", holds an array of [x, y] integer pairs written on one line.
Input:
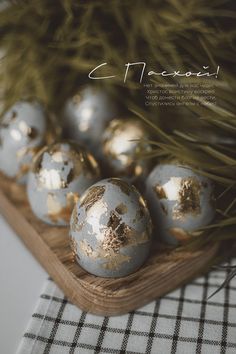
{"points": [[160, 192], [189, 198], [53, 204], [82, 163], [121, 209], [112, 260], [87, 249], [74, 247], [85, 163], [179, 234], [122, 143], [124, 186], [93, 195], [118, 235], [92, 169], [115, 236], [116, 261], [72, 198], [56, 211], [74, 219], [141, 211], [50, 179], [58, 156], [142, 202], [138, 170]]}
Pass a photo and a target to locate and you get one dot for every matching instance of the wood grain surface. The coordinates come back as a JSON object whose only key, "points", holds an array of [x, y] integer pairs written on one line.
{"points": [[165, 270]]}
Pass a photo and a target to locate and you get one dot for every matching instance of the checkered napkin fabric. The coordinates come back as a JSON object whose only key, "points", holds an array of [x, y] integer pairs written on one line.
{"points": [[182, 322]]}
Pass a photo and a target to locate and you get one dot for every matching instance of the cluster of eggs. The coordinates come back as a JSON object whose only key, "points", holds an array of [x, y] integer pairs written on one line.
{"points": [[110, 224], [91, 118]]}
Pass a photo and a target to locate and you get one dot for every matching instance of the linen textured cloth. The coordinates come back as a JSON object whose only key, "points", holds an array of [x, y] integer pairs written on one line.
{"points": [[182, 322]]}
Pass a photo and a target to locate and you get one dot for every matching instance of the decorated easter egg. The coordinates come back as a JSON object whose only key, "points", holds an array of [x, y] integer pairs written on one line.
{"points": [[59, 175], [180, 201], [123, 142], [86, 115], [22, 133], [111, 229]]}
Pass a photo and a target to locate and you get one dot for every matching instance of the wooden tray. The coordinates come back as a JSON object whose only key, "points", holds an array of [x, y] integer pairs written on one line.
{"points": [[164, 271]]}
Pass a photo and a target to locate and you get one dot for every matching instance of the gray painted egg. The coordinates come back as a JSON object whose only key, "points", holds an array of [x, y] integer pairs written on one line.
{"points": [[22, 132], [180, 201], [122, 142], [59, 175], [111, 229], [86, 115]]}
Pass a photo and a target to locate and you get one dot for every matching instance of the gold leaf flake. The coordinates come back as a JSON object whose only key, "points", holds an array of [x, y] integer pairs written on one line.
{"points": [[179, 234], [160, 192], [116, 261], [74, 247], [124, 186], [121, 209], [93, 195], [87, 249], [189, 198], [56, 211]]}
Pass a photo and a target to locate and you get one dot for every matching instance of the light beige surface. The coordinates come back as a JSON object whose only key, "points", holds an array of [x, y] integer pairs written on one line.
{"points": [[21, 279]]}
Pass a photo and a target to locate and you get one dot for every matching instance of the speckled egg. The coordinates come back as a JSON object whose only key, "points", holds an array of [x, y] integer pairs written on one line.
{"points": [[180, 201], [60, 174], [22, 132], [111, 229], [122, 142], [86, 115]]}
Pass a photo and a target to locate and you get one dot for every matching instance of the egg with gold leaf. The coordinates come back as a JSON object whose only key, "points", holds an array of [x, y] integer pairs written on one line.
{"points": [[60, 173], [180, 201], [86, 115], [123, 143], [22, 133], [111, 229]]}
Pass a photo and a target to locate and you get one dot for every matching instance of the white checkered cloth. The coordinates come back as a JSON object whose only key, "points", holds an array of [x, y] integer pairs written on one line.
{"points": [[181, 322]]}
